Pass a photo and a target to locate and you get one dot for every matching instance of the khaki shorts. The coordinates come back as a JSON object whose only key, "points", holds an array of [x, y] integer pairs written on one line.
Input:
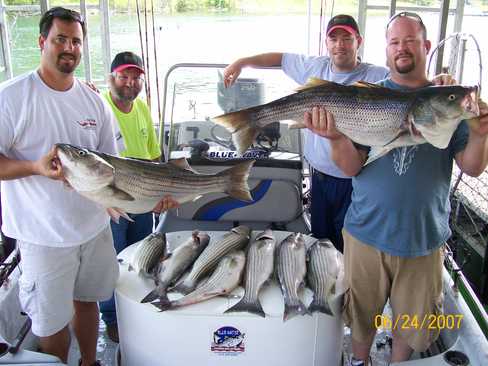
{"points": [[413, 285], [53, 277]]}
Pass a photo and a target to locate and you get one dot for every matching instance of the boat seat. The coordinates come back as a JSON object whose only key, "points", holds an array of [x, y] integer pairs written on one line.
{"points": [[277, 202]]}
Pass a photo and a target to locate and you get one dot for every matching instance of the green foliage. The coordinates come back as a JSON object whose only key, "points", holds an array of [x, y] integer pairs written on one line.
{"points": [[218, 4], [421, 2]]}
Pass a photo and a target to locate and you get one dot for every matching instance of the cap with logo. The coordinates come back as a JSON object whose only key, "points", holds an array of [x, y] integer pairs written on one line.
{"points": [[343, 21], [125, 60]]}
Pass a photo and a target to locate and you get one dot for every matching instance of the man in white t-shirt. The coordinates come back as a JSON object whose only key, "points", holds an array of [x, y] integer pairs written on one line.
{"points": [[331, 188], [68, 258]]}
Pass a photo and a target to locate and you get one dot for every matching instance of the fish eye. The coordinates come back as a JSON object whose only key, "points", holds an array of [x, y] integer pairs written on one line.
{"points": [[81, 153], [451, 97]]}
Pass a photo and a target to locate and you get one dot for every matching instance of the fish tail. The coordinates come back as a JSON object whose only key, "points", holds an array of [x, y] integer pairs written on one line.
{"points": [[320, 307], [253, 307], [292, 310], [237, 186], [155, 294], [238, 123], [162, 305]]}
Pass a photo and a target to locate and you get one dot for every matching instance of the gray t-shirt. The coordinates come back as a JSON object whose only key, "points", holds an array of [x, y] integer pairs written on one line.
{"points": [[400, 202], [300, 68]]}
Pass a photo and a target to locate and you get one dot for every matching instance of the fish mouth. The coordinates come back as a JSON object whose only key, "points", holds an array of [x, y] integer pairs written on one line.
{"points": [[65, 149]]}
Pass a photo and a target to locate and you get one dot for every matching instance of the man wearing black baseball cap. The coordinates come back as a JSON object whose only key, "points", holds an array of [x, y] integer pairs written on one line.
{"points": [[127, 60], [331, 188], [136, 126]]}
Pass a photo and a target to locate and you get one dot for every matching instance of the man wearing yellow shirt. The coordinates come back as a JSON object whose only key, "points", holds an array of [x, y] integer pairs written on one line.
{"points": [[136, 126]]}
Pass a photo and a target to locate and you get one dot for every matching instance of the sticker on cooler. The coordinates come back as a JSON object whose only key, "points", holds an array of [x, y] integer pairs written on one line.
{"points": [[228, 341]]}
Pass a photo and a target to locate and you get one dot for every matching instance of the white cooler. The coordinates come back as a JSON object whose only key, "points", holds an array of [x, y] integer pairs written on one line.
{"points": [[201, 334]]}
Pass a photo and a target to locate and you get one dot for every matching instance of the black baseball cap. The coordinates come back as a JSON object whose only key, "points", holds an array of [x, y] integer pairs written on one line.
{"points": [[125, 60], [343, 21]]}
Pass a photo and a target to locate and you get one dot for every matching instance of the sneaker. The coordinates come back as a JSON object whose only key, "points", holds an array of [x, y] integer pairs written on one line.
{"points": [[113, 332]]}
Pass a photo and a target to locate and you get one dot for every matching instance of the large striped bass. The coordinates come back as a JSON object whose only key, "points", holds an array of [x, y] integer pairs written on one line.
{"points": [[292, 268], [236, 239], [368, 114], [259, 268], [224, 279], [128, 185]]}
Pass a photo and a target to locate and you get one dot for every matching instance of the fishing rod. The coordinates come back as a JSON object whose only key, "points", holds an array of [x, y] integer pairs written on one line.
{"points": [[148, 79], [140, 40], [460, 36], [156, 61], [323, 3]]}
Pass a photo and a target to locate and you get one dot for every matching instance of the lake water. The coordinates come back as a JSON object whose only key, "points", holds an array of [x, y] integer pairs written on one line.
{"points": [[223, 38]]}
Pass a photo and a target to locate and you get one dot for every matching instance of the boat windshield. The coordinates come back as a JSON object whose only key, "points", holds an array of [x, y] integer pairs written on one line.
{"points": [[196, 93]]}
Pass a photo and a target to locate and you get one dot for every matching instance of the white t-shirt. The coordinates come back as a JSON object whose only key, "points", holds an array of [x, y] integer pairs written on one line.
{"points": [[34, 117], [300, 68]]}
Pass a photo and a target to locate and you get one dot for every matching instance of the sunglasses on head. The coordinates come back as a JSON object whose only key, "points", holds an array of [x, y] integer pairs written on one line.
{"points": [[406, 14], [63, 12]]}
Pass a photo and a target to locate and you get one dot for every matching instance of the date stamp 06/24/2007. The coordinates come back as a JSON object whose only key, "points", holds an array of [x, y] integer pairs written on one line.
{"points": [[426, 322]]}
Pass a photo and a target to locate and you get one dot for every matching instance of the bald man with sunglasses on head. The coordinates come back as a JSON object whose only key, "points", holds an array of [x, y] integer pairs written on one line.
{"points": [[398, 220]]}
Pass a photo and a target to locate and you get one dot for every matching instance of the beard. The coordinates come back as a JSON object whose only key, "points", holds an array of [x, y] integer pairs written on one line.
{"points": [[405, 68], [124, 94], [67, 68]]}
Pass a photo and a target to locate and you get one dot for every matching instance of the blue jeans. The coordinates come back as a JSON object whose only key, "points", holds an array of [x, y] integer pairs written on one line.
{"points": [[125, 233], [331, 198]]}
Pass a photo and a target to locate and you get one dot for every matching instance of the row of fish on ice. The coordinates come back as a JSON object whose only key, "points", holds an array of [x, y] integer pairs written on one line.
{"points": [[234, 257]]}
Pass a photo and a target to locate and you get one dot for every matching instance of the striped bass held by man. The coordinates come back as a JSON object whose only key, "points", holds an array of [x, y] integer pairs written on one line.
{"points": [[133, 186], [368, 114]]}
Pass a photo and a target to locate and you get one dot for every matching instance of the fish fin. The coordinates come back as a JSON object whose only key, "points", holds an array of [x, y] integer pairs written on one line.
{"points": [[237, 185], [249, 306], [162, 305], [130, 268], [244, 138], [234, 121], [293, 310], [336, 303], [320, 307], [365, 84], [312, 83], [157, 293], [115, 213], [377, 152], [216, 293], [182, 163]]}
